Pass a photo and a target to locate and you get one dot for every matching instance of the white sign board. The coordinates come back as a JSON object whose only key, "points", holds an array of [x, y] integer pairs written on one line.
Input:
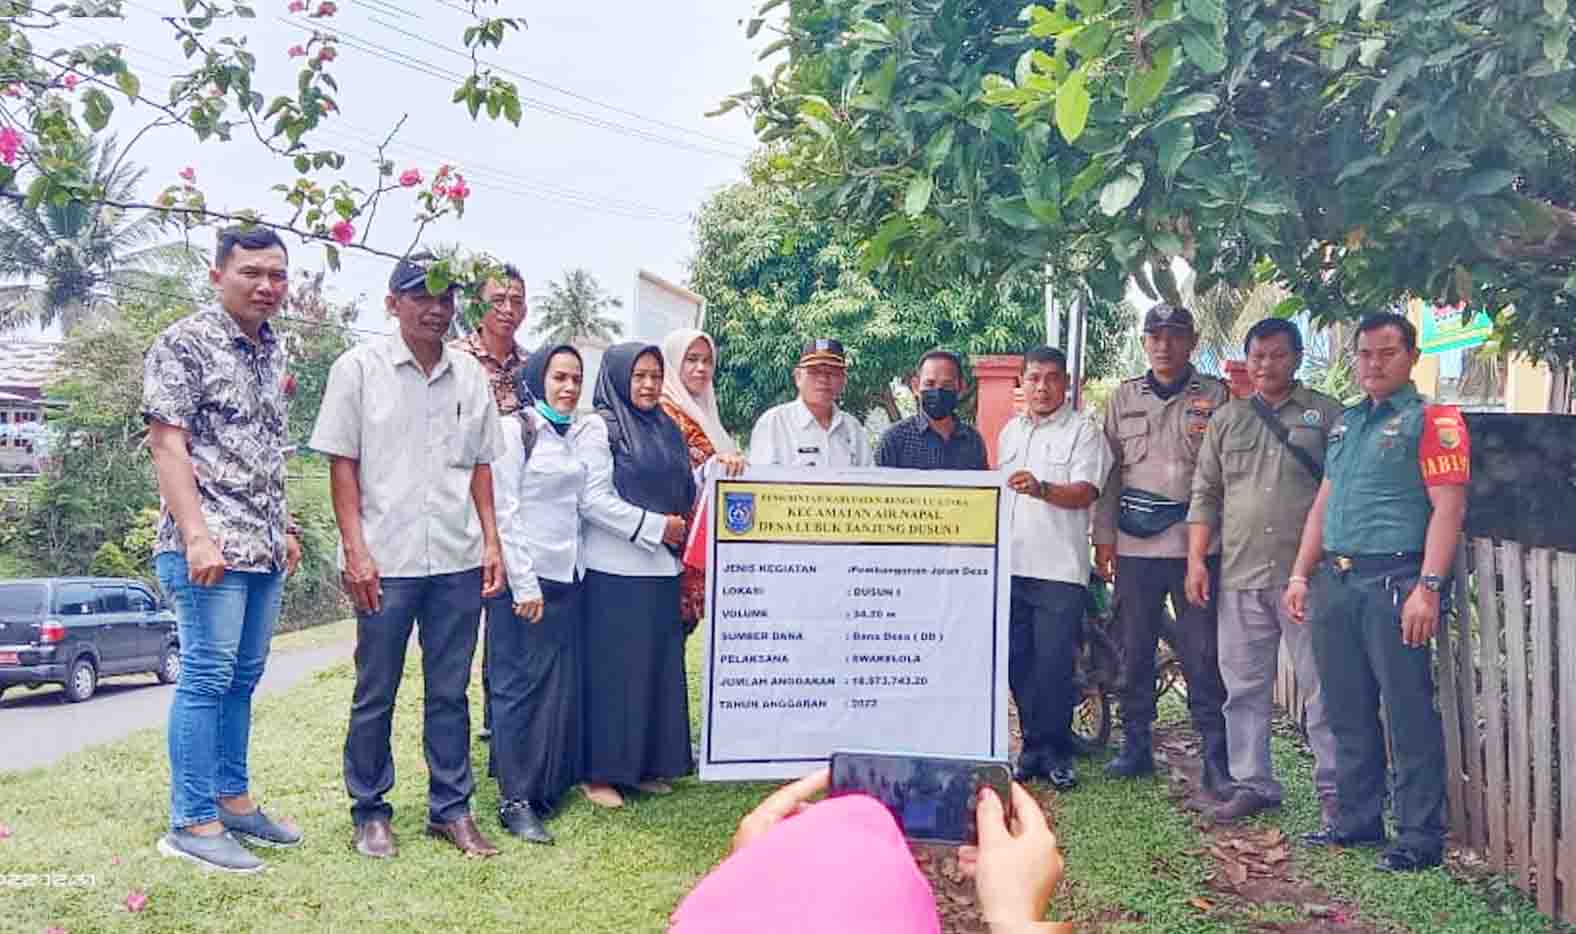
{"points": [[854, 609], [661, 307]]}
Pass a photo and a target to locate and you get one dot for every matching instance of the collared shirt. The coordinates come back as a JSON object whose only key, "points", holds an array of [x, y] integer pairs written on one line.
{"points": [[1381, 461], [1049, 542], [915, 443], [500, 373], [416, 439], [538, 501], [1155, 442], [620, 537], [1254, 491], [206, 377], [789, 435]]}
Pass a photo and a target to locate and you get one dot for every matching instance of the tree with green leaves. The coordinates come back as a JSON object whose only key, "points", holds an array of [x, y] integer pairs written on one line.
{"points": [[773, 278], [71, 257], [1355, 151], [577, 309]]}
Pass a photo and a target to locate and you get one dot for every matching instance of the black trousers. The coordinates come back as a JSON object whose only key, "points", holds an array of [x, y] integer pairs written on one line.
{"points": [[446, 611], [1042, 652], [537, 740], [1142, 585], [1356, 621]]}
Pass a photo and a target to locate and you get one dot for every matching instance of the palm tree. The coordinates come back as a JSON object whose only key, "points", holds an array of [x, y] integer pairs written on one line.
{"points": [[575, 310], [71, 258]]}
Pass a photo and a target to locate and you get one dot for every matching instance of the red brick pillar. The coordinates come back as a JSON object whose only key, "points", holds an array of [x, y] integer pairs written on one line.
{"points": [[997, 376], [1237, 376]]}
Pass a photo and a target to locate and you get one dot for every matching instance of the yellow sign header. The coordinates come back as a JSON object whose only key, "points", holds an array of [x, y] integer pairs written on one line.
{"points": [[856, 513]]}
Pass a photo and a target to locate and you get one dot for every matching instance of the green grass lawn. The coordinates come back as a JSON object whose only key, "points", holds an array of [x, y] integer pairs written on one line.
{"points": [[1134, 863]]}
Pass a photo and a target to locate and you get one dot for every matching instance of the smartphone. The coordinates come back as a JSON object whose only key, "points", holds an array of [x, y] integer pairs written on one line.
{"points": [[932, 797]]}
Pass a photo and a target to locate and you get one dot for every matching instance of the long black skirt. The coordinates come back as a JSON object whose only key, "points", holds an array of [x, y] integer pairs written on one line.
{"points": [[636, 698], [536, 697]]}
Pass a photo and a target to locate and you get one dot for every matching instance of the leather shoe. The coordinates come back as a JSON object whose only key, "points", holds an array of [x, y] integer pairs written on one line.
{"points": [[465, 835], [520, 819], [1405, 859], [375, 838], [1061, 777], [1243, 803], [1329, 810], [1329, 836], [1135, 760]]}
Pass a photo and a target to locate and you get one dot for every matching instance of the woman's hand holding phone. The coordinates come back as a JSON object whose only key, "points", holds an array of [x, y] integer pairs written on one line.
{"points": [[1015, 868]]}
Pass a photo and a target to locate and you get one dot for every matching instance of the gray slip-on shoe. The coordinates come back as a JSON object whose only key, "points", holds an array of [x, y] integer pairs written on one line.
{"points": [[259, 828], [220, 852]]}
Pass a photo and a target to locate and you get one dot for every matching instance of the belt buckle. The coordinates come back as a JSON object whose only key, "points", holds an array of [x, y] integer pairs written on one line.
{"points": [[1343, 564]]}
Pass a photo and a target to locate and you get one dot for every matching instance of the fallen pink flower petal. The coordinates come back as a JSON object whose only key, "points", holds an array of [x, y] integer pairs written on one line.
{"points": [[136, 900], [55, 930], [410, 178], [4, 830], [343, 232]]}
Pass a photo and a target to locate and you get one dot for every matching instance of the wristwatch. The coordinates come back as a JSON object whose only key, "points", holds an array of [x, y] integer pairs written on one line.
{"points": [[1432, 582]]}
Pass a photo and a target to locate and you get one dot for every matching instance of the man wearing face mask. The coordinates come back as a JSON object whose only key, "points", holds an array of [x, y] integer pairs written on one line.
{"points": [[935, 439]]}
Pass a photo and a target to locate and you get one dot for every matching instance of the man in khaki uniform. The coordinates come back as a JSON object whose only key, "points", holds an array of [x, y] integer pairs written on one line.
{"points": [[1155, 425]]}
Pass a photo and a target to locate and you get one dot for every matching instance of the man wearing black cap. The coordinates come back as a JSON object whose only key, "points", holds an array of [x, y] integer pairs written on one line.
{"points": [[811, 431], [1155, 425], [410, 429]]}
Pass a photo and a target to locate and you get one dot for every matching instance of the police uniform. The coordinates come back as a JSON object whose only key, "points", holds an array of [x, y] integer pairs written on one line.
{"points": [[1382, 459], [1155, 432]]}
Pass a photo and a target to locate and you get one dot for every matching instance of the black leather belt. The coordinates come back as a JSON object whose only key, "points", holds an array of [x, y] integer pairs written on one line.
{"points": [[1373, 563]]}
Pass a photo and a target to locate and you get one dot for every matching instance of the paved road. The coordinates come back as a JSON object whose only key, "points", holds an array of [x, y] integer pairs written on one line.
{"points": [[39, 727]]}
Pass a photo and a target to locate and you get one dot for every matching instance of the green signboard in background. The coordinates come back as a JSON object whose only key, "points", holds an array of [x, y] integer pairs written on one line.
{"points": [[1446, 328]]}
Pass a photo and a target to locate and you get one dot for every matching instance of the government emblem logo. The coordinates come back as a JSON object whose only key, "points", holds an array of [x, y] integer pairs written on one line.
{"points": [[739, 512], [1312, 417]]}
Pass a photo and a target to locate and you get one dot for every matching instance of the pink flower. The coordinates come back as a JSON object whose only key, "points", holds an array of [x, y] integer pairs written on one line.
{"points": [[188, 175], [296, 6], [343, 232], [326, 9], [296, 51], [410, 178], [136, 900], [70, 81], [288, 385], [10, 142], [459, 191], [443, 172], [440, 188], [327, 54], [55, 930], [12, 90]]}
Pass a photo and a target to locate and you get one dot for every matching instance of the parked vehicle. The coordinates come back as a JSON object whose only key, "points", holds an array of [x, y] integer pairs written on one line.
{"points": [[72, 631]]}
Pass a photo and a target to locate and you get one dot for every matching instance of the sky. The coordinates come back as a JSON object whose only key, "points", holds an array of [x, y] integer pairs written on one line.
{"points": [[611, 160]]}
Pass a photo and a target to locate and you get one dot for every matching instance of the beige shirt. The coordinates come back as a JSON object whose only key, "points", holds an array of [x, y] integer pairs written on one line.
{"points": [[1254, 491], [1155, 442], [788, 435], [416, 439], [1050, 542]]}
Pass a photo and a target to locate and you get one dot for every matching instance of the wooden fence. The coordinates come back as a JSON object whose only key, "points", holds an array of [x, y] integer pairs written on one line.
{"points": [[1510, 734]]}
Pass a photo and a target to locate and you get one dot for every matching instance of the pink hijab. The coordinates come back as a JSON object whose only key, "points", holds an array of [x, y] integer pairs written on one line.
{"points": [[841, 867]]}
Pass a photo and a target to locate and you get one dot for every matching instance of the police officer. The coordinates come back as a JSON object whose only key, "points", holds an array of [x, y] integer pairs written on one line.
{"points": [[1383, 533], [1155, 424]]}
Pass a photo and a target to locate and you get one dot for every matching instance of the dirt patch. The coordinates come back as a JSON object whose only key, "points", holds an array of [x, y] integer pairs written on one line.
{"points": [[1255, 868]]}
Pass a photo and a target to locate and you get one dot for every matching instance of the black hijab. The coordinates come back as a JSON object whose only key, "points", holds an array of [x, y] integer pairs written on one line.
{"points": [[530, 381], [651, 467]]}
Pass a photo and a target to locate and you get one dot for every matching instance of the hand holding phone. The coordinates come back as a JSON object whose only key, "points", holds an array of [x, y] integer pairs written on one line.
{"points": [[1017, 864]]}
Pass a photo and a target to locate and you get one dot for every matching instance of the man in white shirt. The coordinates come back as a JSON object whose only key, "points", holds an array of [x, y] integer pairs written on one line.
{"points": [[410, 429], [1055, 460], [811, 431]]}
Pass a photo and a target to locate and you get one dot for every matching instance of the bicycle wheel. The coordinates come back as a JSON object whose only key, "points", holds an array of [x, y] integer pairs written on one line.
{"points": [[1098, 669]]}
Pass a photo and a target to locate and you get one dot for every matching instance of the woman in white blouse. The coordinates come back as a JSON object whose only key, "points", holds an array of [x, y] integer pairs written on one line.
{"points": [[539, 489], [638, 490]]}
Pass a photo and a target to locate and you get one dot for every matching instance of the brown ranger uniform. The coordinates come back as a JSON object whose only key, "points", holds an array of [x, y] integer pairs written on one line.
{"points": [[1155, 432]]}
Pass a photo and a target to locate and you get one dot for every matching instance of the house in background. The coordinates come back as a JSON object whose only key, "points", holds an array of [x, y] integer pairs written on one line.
{"points": [[26, 366]]}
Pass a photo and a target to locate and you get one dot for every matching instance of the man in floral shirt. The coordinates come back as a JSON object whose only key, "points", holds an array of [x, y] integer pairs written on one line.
{"points": [[494, 348], [214, 401]]}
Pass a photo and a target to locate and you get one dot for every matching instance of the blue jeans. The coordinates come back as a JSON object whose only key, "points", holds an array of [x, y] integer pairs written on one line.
{"points": [[224, 632]]}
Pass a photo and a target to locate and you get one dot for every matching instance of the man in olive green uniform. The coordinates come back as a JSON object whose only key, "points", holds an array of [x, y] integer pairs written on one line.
{"points": [[1155, 425], [1382, 533]]}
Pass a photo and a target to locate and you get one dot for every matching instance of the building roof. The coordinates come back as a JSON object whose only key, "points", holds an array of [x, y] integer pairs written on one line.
{"points": [[27, 365]]}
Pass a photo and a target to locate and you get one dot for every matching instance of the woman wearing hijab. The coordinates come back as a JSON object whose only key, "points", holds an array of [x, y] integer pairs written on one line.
{"points": [[689, 359], [538, 488], [639, 488]]}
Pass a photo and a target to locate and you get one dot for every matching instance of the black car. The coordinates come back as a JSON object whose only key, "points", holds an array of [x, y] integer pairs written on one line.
{"points": [[72, 631]]}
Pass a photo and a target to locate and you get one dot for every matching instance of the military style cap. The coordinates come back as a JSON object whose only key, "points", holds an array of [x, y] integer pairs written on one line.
{"points": [[823, 351], [1168, 316]]}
